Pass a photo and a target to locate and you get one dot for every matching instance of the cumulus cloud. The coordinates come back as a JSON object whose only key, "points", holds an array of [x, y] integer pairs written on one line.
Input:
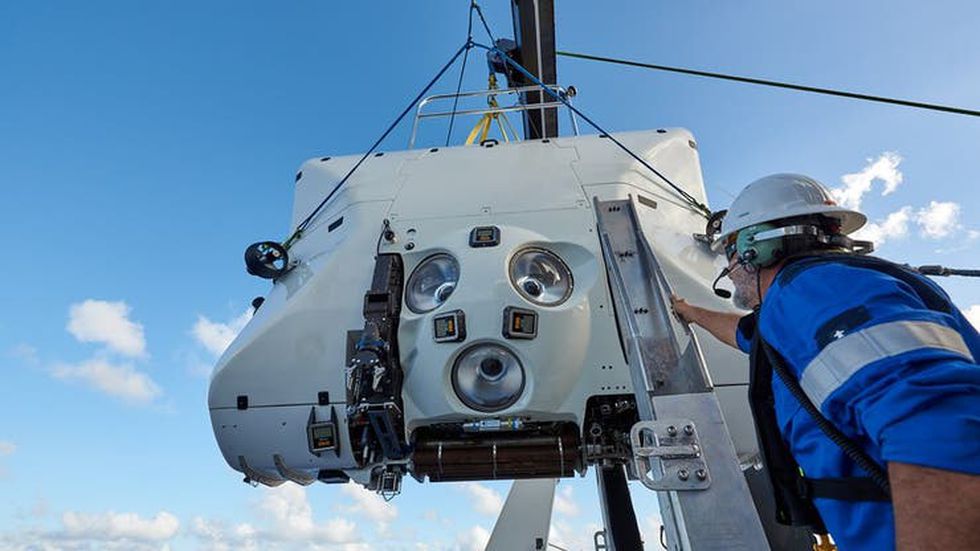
{"points": [[218, 537], [575, 535], [485, 500], [883, 169], [894, 226], [120, 526], [292, 519], [368, 504], [119, 380], [216, 336], [939, 219], [565, 502], [650, 527], [107, 323], [25, 353], [285, 520], [108, 530], [973, 314], [473, 539]]}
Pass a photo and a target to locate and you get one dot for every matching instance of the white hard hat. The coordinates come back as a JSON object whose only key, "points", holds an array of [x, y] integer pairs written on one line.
{"points": [[780, 196]]}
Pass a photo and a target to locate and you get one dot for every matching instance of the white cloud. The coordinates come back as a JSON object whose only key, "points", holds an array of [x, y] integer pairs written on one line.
{"points": [[104, 531], [973, 314], [575, 535], [368, 504], [119, 380], [216, 336], [107, 323], [565, 502], [473, 539], [939, 219], [894, 226], [120, 526], [292, 518], [219, 538], [856, 185], [24, 352], [650, 528], [485, 500]]}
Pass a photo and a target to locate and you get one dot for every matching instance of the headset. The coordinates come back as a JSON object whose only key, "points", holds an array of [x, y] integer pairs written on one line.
{"points": [[766, 244]]}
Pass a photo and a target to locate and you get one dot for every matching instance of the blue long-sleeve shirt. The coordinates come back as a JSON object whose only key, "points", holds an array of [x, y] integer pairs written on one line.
{"points": [[900, 379]]}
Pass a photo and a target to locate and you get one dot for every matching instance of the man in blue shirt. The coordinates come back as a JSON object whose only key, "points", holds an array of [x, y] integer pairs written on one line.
{"points": [[870, 426]]}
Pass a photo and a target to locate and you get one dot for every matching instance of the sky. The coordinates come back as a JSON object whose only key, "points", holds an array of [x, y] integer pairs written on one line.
{"points": [[144, 145]]}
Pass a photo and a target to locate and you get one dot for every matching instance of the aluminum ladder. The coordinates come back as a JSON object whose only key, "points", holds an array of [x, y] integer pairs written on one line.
{"points": [[681, 446]]}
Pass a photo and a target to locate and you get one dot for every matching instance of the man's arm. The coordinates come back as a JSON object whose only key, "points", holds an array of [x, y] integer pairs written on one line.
{"points": [[723, 325], [934, 509]]}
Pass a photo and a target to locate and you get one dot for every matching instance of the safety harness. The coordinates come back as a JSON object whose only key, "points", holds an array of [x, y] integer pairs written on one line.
{"points": [[793, 491]]}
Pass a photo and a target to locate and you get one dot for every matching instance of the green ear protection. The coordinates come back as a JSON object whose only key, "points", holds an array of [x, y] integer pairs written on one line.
{"points": [[758, 254]]}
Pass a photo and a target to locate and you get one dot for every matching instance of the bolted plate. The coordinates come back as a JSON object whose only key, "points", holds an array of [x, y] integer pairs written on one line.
{"points": [[667, 455]]}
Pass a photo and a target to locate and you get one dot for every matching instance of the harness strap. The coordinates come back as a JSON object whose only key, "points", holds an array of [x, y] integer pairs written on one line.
{"points": [[850, 488]]}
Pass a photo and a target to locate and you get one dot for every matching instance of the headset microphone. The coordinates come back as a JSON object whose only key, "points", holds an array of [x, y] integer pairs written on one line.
{"points": [[723, 293]]}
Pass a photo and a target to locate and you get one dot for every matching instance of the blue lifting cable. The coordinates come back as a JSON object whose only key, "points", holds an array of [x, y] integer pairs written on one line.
{"points": [[462, 70], [306, 221], [690, 199], [483, 20]]}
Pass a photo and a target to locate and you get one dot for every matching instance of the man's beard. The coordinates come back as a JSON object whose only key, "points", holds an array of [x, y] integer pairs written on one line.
{"points": [[745, 295], [744, 299]]}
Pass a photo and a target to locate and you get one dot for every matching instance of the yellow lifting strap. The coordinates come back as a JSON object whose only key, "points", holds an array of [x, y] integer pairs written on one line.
{"points": [[824, 543], [482, 128]]}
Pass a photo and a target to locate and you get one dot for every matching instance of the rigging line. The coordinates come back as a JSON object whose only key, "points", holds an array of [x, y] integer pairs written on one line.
{"points": [[694, 203], [459, 86], [483, 20], [462, 71], [777, 84], [306, 221]]}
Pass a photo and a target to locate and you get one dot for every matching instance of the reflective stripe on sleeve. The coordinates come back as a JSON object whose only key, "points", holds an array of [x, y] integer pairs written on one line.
{"points": [[844, 357]]}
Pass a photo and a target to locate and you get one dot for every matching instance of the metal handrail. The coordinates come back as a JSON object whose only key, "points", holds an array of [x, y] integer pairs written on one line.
{"points": [[419, 115]]}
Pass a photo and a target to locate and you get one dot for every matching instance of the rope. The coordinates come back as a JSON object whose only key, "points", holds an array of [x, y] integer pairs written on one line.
{"points": [[694, 203], [484, 21], [462, 71], [777, 84], [306, 221]]}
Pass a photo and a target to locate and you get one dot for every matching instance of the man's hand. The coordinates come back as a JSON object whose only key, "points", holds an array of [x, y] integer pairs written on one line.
{"points": [[684, 311], [720, 324]]}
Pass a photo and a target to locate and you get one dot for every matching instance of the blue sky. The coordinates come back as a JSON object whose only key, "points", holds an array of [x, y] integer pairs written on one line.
{"points": [[143, 145]]}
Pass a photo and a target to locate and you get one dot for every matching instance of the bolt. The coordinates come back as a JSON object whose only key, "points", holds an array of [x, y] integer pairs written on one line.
{"points": [[701, 474], [688, 430], [683, 474], [672, 431]]}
